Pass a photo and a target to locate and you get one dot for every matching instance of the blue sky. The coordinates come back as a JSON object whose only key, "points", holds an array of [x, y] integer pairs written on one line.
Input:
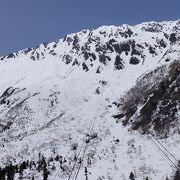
{"points": [[27, 23]]}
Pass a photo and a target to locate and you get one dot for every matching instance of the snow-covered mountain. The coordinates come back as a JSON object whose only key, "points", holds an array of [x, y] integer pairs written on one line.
{"points": [[98, 104]]}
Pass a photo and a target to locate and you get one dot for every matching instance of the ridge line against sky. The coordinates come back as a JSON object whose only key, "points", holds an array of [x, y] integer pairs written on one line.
{"points": [[29, 23]]}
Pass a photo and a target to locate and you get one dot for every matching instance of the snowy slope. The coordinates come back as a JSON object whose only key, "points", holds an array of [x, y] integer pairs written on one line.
{"points": [[59, 99]]}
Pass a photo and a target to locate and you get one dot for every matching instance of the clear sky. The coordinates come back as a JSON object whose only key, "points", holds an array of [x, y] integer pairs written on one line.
{"points": [[26, 23]]}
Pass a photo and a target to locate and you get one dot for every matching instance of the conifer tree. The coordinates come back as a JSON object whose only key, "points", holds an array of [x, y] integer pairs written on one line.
{"points": [[2, 174], [45, 171], [21, 175], [131, 176], [10, 172], [177, 175]]}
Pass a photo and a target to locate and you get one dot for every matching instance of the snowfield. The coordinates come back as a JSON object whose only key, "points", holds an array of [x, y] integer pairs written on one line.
{"points": [[59, 99]]}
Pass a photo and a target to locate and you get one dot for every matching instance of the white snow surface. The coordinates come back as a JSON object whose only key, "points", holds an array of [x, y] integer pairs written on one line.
{"points": [[61, 106]]}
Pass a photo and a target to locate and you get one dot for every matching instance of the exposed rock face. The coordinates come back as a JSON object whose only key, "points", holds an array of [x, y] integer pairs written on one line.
{"points": [[133, 44], [154, 103], [118, 63]]}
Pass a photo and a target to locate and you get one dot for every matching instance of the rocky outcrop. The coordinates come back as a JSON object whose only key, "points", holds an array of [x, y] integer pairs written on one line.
{"points": [[154, 103]]}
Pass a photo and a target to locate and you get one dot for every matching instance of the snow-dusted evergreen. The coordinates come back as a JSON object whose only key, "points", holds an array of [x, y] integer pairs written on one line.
{"points": [[63, 113]]}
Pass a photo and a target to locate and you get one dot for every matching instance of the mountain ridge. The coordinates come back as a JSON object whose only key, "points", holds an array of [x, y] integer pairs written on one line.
{"points": [[57, 101], [105, 27]]}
